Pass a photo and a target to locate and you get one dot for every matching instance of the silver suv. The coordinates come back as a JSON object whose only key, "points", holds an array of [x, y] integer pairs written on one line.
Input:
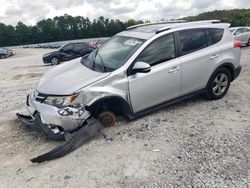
{"points": [[143, 68]]}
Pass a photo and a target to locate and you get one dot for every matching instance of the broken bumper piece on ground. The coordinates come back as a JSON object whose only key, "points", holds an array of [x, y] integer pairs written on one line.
{"points": [[72, 141]]}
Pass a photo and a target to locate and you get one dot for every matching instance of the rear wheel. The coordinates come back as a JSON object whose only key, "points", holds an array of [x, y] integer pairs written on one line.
{"points": [[54, 61], [218, 84], [107, 118]]}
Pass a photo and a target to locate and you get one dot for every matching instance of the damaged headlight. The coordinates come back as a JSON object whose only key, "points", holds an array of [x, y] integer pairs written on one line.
{"points": [[60, 101]]}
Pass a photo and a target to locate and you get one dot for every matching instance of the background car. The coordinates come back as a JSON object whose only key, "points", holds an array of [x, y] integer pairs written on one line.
{"points": [[3, 53], [241, 34], [10, 52], [67, 52]]}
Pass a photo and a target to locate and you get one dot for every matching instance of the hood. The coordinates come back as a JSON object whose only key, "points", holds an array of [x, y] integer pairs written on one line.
{"points": [[67, 78]]}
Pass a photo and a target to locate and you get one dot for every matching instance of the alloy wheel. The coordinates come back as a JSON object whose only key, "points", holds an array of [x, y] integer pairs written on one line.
{"points": [[220, 84], [54, 61]]}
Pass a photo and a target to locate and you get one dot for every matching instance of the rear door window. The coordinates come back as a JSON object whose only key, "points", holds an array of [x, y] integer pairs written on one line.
{"points": [[192, 40], [215, 35], [244, 30]]}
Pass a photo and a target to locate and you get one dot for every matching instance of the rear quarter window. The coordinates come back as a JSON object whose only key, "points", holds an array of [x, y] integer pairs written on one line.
{"points": [[215, 35]]}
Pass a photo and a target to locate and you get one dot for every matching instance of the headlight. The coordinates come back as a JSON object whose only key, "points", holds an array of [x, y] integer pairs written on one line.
{"points": [[59, 101]]}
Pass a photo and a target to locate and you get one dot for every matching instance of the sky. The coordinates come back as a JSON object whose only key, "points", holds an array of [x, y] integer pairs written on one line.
{"points": [[31, 11]]}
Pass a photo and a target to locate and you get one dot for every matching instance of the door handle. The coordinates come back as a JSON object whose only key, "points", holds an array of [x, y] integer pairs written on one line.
{"points": [[214, 56], [174, 69]]}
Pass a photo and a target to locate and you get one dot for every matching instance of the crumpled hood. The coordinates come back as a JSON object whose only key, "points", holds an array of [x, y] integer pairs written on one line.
{"points": [[67, 78]]}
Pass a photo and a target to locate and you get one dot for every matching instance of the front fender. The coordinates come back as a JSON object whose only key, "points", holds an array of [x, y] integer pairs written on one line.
{"points": [[93, 94]]}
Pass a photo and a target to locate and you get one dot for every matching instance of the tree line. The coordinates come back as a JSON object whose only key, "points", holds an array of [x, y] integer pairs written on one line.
{"points": [[61, 28], [68, 27], [237, 17]]}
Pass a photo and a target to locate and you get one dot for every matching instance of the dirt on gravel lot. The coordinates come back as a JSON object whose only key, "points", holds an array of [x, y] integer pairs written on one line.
{"points": [[196, 143]]}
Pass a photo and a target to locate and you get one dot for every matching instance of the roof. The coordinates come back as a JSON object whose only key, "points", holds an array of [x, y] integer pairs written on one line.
{"points": [[148, 30]]}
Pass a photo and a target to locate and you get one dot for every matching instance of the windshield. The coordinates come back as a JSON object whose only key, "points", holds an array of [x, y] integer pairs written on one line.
{"points": [[112, 54]]}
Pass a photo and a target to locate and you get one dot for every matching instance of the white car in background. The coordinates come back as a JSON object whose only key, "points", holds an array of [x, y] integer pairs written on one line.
{"points": [[241, 34]]}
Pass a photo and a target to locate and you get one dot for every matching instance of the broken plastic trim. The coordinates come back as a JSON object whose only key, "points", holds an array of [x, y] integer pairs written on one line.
{"points": [[37, 125], [73, 141]]}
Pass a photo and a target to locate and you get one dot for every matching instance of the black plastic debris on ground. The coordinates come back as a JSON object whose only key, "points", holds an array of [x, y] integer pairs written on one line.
{"points": [[73, 141]]}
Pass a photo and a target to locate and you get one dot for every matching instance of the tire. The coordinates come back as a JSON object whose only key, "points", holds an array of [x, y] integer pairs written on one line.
{"points": [[54, 61], [218, 84]]}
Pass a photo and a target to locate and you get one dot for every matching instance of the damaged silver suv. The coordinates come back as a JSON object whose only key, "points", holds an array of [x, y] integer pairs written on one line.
{"points": [[141, 69]]}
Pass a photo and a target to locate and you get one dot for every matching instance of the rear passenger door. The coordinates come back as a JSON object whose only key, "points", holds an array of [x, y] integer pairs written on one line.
{"points": [[198, 52]]}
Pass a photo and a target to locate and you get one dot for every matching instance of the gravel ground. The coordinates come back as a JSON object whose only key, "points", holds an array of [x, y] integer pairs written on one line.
{"points": [[196, 143]]}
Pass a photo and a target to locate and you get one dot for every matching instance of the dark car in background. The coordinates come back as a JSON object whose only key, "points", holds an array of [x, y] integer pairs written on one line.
{"points": [[4, 53], [67, 52]]}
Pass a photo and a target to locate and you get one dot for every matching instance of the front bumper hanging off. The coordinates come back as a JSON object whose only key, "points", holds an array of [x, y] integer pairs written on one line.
{"points": [[79, 127], [35, 123], [72, 140]]}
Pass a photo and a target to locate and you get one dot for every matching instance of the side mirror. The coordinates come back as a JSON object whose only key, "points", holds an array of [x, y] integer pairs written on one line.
{"points": [[141, 67]]}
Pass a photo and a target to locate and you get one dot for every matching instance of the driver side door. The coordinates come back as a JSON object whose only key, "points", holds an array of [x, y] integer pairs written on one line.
{"points": [[163, 82]]}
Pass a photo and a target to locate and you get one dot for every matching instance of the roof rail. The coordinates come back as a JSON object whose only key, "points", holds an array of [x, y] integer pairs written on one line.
{"points": [[206, 21], [154, 23], [194, 22]]}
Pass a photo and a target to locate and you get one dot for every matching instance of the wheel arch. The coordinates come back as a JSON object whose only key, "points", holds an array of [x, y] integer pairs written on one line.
{"points": [[114, 104], [55, 55], [229, 66]]}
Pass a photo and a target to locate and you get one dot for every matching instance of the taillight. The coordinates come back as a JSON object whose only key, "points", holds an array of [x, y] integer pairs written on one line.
{"points": [[237, 44]]}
